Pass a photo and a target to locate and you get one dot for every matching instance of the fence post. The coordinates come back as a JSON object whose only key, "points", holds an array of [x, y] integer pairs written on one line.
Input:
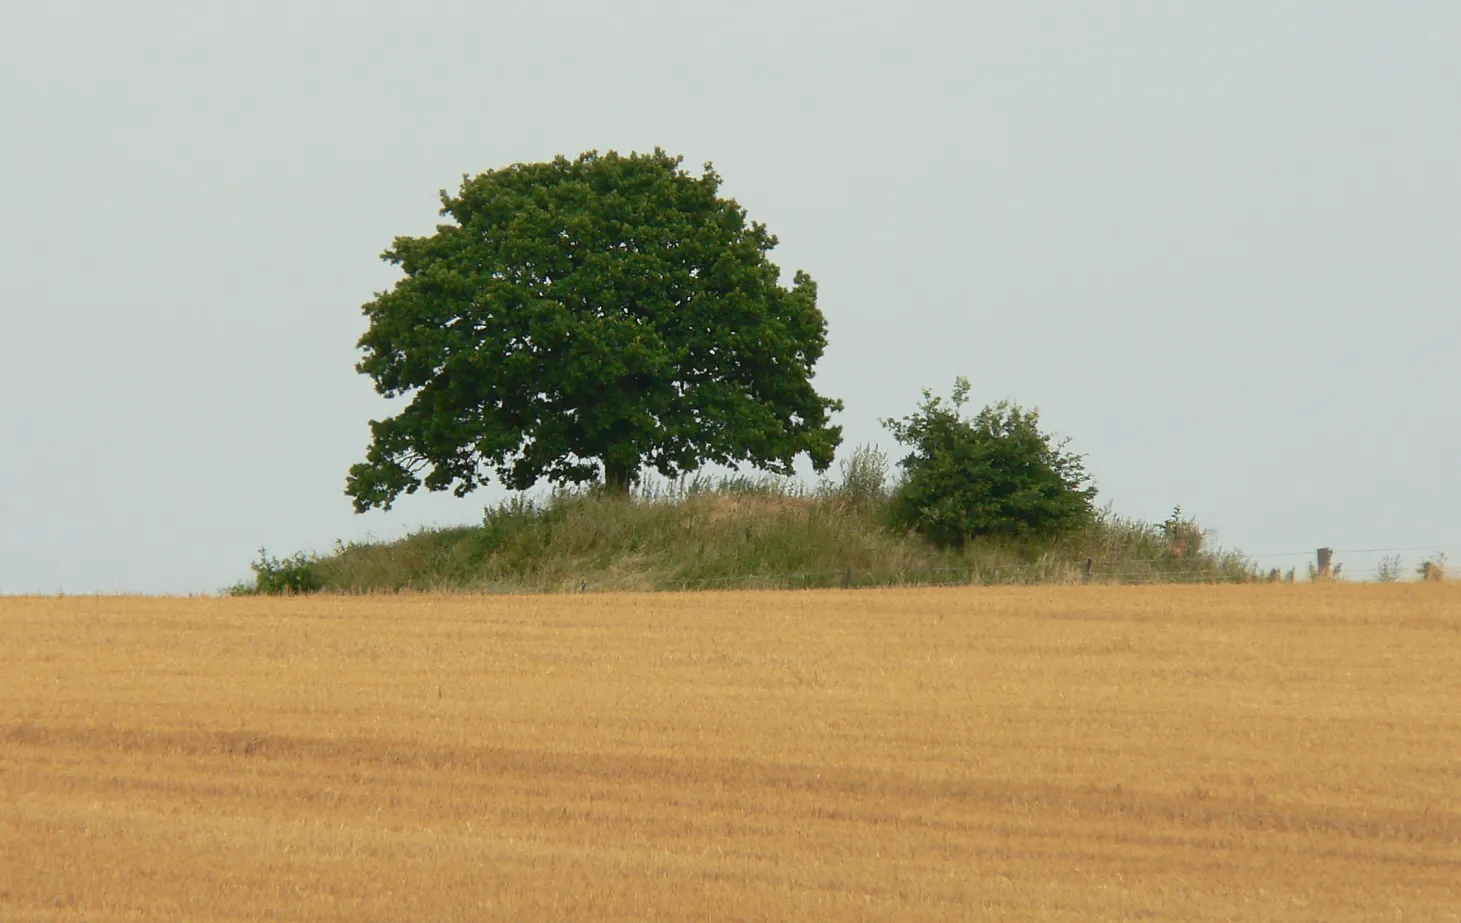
{"points": [[1086, 577], [1326, 560], [847, 579]]}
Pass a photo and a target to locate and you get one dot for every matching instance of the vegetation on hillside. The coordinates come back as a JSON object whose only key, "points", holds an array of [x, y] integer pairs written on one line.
{"points": [[996, 475], [584, 322], [741, 532]]}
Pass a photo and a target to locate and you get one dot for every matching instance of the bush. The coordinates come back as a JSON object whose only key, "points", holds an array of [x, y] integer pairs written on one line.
{"points": [[1433, 570], [994, 476], [287, 577], [1388, 570]]}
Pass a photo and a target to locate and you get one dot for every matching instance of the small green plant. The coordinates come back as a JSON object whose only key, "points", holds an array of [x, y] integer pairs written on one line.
{"points": [[1433, 570], [286, 577], [1388, 570], [1275, 575]]}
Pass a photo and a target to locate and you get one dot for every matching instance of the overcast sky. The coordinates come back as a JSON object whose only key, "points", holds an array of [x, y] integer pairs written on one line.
{"points": [[1217, 244]]}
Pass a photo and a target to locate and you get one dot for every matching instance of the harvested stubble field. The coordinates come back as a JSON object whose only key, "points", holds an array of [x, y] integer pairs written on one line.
{"points": [[1179, 753]]}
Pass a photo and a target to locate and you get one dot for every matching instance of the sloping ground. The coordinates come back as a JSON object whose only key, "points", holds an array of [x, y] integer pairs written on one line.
{"points": [[738, 539], [620, 545], [1067, 754]]}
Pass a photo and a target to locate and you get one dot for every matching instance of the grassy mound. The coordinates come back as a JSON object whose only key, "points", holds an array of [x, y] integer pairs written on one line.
{"points": [[737, 533]]}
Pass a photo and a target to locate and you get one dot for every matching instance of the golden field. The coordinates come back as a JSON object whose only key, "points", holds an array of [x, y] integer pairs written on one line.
{"points": [[1082, 753]]}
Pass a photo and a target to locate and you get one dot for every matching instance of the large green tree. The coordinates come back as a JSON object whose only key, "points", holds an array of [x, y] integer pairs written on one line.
{"points": [[582, 320]]}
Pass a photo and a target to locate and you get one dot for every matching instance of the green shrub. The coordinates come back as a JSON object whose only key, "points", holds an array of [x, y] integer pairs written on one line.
{"points": [[1388, 570], [995, 476], [1433, 570], [286, 577]]}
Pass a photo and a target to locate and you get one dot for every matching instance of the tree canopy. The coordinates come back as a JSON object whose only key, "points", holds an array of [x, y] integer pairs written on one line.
{"points": [[584, 319], [996, 475]]}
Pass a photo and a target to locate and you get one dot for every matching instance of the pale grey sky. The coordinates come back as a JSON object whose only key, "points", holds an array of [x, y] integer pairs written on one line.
{"points": [[1218, 244]]}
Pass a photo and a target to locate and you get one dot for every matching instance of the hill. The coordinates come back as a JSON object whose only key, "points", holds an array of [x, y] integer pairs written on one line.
{"points": [[735, 533]]}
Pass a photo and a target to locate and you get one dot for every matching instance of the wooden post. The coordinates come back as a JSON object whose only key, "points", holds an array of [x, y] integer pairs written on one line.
{"points": [[847, 579], [1086, 577], [1326, 561]]}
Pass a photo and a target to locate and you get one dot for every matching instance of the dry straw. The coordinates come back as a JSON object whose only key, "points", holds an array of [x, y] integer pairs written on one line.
{"points": [[1053, 753]]}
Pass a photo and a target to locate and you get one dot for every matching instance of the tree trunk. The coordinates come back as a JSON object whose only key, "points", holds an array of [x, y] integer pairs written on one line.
{"points": [[618, 478]]}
